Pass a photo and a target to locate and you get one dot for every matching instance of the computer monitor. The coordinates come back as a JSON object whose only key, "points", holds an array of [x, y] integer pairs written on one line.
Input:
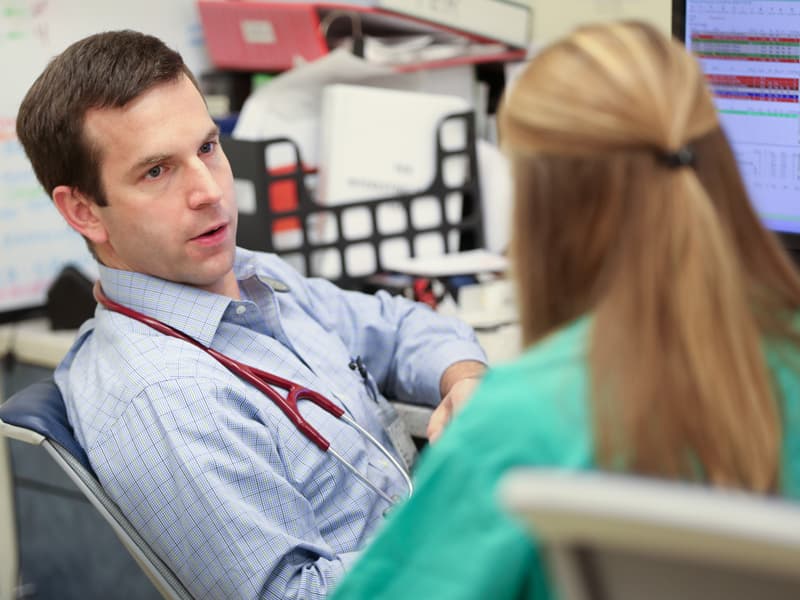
{"points": [[750, 53]]}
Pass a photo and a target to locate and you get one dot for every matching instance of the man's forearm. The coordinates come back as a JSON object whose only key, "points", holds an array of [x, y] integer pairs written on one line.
{"points": [[465, 369], [456, 386]]}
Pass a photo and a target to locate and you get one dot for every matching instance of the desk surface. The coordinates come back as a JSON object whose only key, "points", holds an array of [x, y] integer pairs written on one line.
{"points": [[6, 335], [33, 342]]}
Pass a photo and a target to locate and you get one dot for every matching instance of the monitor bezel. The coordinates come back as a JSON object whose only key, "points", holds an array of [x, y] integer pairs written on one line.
{"points": [[679, 19], [790, 240]]}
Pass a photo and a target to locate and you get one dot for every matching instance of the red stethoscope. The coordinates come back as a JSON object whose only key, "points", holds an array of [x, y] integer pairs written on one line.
{"points": [[264, 382]]}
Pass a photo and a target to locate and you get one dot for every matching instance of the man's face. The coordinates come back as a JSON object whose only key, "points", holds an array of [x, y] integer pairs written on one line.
{"points": [[171, 210]]}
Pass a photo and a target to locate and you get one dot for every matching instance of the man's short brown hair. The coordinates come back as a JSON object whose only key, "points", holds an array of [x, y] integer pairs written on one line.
{"points": [[105, 70]]}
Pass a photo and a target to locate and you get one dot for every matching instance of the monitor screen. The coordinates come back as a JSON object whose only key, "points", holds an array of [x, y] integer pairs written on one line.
{"points": [[750, 53]]}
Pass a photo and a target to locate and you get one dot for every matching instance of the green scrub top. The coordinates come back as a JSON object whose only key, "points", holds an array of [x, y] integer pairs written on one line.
{"points": [[451, 540]]}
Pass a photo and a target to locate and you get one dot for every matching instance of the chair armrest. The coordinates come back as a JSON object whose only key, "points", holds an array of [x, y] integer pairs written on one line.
{"points": [[20, 434], [415, 417]]}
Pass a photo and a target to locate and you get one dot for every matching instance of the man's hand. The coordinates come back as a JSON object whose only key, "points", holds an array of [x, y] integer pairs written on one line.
{"points": [[458, 383]]}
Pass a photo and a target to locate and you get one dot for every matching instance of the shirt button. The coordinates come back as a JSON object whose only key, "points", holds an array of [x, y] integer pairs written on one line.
{"points": [[241, 309]]}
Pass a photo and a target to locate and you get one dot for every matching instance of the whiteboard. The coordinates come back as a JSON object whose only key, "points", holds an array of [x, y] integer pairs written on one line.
{"points": [[35, 243]]}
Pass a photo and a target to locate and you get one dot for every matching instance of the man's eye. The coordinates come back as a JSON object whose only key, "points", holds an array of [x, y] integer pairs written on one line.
{"points": [[207, 148], [155, 172]]}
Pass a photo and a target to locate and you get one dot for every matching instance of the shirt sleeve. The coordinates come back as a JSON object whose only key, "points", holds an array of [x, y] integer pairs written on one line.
{"points": [[405, 345], [451, 539], [205, 483]]}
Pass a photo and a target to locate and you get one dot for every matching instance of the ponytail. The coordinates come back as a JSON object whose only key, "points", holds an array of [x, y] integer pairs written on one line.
{"points": [[684, 283], [680, 384]]}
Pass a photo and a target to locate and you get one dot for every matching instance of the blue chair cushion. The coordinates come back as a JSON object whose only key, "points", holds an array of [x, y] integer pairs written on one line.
{"points": [[40, 408]]}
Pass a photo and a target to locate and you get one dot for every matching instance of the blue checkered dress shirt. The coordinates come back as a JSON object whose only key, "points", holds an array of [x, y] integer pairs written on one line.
{"points": [[207, 469]]}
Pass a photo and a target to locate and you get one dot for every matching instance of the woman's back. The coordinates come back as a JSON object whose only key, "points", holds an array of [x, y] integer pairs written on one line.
{"points": [[452, 540], [541, 405]]}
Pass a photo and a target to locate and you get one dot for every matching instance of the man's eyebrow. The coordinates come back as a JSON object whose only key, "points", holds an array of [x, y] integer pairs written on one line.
{"points": [[148, 161], [155, 159]]}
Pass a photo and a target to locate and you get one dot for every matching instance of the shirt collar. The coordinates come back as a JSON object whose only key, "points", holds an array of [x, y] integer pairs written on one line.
{"points": [[195, 312], [247, 265]]}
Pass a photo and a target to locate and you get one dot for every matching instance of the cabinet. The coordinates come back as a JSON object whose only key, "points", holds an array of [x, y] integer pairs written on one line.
{"points": [[274, 36], [244, 36]]}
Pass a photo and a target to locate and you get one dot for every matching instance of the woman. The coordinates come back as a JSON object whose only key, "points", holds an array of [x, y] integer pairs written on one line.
{"points": [[660, 315]]}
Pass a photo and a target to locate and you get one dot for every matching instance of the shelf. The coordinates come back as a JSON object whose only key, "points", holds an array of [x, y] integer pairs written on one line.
{"points": [[276, 36]]}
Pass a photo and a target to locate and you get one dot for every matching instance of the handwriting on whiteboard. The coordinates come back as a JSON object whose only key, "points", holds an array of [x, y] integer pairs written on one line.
{"points": [[22, 20]]}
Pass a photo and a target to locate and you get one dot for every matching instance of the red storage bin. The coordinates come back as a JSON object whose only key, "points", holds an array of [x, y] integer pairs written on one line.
{"points": [[273, 36], [260, 36]]}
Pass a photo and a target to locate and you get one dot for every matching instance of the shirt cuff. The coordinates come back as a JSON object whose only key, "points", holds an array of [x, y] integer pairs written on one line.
{"points": [[436, 361]]}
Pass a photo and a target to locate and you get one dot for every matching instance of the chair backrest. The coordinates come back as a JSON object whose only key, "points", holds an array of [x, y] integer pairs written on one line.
{"points": [[37, 415], [616, 537]]}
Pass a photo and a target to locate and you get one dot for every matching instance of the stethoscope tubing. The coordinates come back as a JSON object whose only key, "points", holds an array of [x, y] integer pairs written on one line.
{"points": [[382, 449], [263, 382]]}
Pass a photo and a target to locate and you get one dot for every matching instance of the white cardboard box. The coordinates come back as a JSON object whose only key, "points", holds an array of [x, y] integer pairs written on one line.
{"points": [[379, 143]]}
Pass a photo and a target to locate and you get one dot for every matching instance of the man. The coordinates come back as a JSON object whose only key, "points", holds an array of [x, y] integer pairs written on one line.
{"points": [[211, 472]]}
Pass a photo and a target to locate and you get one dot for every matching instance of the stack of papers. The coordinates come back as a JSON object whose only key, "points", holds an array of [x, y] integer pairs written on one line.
{"points": [[469, 262], [419, 49]]}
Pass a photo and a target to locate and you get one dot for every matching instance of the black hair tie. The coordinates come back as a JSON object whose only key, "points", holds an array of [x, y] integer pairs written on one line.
{"points": [[683, 157]]}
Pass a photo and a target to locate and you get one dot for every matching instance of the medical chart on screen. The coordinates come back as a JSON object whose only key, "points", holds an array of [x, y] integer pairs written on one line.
{"points": [[35, 244], [750, 52]]}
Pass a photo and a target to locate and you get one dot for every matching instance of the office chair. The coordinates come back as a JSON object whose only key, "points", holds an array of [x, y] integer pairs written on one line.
{"points": [[37, 415], [617, 537]]}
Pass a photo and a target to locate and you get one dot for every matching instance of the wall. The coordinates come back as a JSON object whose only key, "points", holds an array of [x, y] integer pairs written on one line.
{"points": [[34, 242], [554, 18]]}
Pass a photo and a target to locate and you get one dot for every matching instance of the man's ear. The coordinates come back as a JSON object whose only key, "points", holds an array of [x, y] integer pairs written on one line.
{"points": [[81, 213]]}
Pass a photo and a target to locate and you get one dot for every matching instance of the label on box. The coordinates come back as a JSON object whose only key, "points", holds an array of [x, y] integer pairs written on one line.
{"points": [[258, 31]]}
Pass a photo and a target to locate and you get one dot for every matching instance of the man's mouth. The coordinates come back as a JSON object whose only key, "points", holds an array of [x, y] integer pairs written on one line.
{"points": [[211, 234]]}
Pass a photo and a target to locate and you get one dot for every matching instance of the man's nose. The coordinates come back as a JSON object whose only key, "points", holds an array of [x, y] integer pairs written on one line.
{"points": [[203, 187]]}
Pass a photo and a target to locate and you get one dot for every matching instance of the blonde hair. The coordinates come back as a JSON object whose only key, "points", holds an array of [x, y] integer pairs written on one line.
{"points": [[683, 281]]}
